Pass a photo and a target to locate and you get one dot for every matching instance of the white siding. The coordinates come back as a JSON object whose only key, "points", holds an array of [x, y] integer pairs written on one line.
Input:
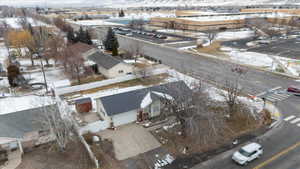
{"points": [[124, 118], [155, 109]]}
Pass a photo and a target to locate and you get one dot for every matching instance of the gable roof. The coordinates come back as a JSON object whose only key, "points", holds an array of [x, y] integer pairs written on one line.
{"points": [[124, 102], [104, 60], [15, 125], [81, 47]]}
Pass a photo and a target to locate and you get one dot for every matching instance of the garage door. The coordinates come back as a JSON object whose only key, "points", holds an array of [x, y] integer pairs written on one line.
{"points": [[124, 118]]}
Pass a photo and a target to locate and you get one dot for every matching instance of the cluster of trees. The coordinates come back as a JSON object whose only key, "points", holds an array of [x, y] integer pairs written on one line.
{"points": [[111, 42], [79, 36]]}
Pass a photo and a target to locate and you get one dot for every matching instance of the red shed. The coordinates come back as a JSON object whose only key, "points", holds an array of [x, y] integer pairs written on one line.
{"points": [[83, 105]]}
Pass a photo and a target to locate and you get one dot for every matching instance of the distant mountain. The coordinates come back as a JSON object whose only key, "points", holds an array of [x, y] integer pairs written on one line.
{"points": [[139, 3]]}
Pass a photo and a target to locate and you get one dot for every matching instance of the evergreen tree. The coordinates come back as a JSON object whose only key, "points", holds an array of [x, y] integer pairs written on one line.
{"points": [[111, 41], [81, 35], [88, 38], [115, 51], [71, 36]]}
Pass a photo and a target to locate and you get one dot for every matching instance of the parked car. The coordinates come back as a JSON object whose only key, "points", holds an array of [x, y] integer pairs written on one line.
{"points": [[247, 153], [294, 89]]}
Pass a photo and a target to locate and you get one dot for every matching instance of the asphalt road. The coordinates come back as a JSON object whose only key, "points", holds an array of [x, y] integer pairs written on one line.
{"points": [[255, 81], [210, 69]]}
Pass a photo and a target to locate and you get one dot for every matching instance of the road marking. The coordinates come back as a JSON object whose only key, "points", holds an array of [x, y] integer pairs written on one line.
{"points": [[295, 120], [289, 118], [261, 165]]}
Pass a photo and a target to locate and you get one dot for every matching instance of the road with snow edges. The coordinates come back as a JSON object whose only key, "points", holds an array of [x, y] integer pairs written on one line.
{"points": [[281, 144]]}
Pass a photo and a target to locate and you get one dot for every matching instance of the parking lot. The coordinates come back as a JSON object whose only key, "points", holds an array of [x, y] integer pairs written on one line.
{"points": [[289, 48], [152, 36]]}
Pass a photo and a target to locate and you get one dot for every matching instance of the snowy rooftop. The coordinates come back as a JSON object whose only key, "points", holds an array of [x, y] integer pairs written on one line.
{"points": [[237, 17], [14, 104]]}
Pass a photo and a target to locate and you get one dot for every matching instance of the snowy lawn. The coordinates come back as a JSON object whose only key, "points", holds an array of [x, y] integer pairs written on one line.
{"points": [[52, 75]]}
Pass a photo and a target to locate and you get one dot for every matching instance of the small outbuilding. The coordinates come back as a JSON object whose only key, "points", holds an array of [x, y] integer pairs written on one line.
{"points": [[83, 105]]}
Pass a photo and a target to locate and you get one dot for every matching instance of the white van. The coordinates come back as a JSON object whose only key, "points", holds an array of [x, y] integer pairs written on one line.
{"points": [[247, 153]]}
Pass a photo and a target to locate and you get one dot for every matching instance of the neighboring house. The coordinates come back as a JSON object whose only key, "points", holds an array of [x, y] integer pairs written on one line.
{"points": [[84, 49], [23, 129], [138, 105], [110, 66]]}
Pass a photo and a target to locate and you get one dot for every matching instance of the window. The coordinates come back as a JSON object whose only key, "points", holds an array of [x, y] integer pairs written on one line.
{"points": [[121, 71]]}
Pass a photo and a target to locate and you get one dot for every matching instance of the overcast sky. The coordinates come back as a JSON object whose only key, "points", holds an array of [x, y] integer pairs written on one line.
{"points": [[55, 2]]}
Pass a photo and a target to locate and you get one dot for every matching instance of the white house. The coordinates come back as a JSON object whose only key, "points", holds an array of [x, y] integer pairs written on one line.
{"points": [[138, 105], [110, 66]]}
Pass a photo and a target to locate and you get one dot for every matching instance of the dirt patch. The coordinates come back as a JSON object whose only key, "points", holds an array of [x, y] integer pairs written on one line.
{"points": [[89, 79], [214, 48], [104, 152], [48, 157], [153, 80]]}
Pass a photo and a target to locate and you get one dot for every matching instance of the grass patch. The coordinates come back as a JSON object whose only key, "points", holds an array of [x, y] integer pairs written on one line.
{"points": [[214, 49]]}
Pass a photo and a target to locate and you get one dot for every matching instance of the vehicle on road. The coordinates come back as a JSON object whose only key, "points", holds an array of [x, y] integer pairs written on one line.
{"points": [[294, 89], [247, 153]]}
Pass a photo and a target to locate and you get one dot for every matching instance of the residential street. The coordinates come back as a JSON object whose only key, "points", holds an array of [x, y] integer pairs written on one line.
{"points": [[256, 81]]}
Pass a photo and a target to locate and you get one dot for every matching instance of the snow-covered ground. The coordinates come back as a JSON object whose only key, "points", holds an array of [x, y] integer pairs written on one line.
{"points": [[265, 61], [251, 58], [95, 22], [52, 75], [228, 35], [15, 22], [3, 54]]}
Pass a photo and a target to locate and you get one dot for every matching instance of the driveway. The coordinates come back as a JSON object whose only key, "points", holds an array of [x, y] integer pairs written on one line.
{"points": [[130, 140]]}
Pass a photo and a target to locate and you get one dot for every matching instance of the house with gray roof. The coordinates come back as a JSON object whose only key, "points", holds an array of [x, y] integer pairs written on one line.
{"points": [[138, 105], [110, 66], [23, 129]]}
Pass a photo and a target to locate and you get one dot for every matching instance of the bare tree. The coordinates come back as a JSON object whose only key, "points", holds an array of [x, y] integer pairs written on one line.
{"points": [[136, 49], [211, 36], [233, 90], [72, 62], [56, 118]]}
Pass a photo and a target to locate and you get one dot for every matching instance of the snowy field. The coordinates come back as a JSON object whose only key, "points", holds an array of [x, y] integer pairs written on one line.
{"points": [[15, 22]]}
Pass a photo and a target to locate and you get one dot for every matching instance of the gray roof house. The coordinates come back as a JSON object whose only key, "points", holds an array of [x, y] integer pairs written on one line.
{"points": [[110, 66], [124, 108], [24, 126]]}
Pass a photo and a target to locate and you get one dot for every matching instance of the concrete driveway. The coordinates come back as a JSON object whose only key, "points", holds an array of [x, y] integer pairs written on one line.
{"points": [[130, 140]]}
